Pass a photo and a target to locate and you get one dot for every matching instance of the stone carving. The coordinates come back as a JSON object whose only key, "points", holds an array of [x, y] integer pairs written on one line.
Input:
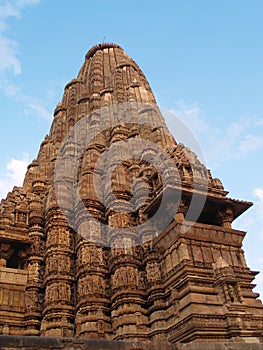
{"points": [[90, 285], [188, 283], [153, 271], [58, 292], [33, 271], [125, 276], [30, 301]]}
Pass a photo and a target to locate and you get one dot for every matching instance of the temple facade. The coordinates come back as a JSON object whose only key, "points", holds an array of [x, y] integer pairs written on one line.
{"points": [[119, 232]]}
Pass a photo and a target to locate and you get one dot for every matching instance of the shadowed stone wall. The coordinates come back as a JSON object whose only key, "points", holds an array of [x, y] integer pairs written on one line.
{"points": [[43, 343], [220, 346]]}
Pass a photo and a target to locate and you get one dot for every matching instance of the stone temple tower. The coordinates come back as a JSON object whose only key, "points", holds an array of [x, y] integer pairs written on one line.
{"points": [[118, 232]]}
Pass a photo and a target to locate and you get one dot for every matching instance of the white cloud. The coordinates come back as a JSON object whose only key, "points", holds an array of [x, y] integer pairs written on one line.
{"points": [[237, 140], [8, 10], [192, 115], [14, 175], [10, 62], [9, 88], [22, 3], [252, 222], [249, 144], [258, 193], [9, 55], [38, 110], [259, 285], [55, 89]]}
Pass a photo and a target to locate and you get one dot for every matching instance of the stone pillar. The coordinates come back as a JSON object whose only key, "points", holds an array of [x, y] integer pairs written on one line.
{"points": [[58, 313], [92, 307], [5, 253], [227, 218], [92, 301], [129, 318], [34, 294]]}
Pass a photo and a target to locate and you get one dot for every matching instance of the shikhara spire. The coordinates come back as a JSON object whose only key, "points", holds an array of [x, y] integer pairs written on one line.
{"points": [[118, 232]]}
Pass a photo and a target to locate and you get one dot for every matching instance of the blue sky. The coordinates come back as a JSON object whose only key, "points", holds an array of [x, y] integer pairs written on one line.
{"points": [[202, 58]]}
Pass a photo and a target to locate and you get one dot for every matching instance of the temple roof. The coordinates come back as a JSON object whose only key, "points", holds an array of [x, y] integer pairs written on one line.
{"points": [[108, 79], [101, 46]]}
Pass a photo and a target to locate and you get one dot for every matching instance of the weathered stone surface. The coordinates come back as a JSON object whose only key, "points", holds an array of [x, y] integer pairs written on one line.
{"points": [[37, 343], [80, 261], [220, 346]]}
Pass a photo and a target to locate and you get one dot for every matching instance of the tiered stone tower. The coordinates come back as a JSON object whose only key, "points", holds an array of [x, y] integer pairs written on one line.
{"points": [[115, 262]]}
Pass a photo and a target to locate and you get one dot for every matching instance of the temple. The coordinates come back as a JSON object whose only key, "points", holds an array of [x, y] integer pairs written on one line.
{"points": [[119, 232]]}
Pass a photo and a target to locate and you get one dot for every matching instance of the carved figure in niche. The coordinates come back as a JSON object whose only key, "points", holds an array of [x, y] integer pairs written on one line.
{"points": [[22, 217], [95, 284], [113, 221], [231, 293], [51, 293], [55, 263], [132, 275], [100, 255], [48, 294], [142, 284], [48, 265], [54, 292], [101, 285], [30, 271], [127, 242], [100, 326], [125, 220], [142, 217], [135, 277], [64, 291], [94, 257], [114, 247], [123, 277], [49, 240], [84, 286], [196, 171], [114, 280], [120, 279], [94, 229], [52, 237], [37, 244], [79, 255], [153, 271], [239, 293], [63, 237], [85, 255], [33, 271], [80, 287], [57, 291], [87, 285], [30, 301], [63, 266]]}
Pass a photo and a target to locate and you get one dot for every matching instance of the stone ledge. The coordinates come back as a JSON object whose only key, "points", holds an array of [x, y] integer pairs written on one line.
{"points": [[10, 342], [221, 346]]}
